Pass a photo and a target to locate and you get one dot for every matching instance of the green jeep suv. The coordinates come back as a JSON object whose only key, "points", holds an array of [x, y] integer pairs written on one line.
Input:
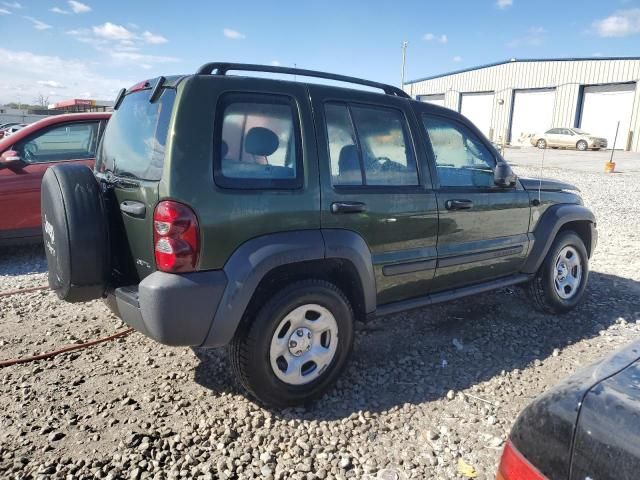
{"points": [[268, 216]]}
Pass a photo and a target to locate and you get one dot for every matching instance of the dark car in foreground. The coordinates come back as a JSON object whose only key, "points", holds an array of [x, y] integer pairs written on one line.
{"points": [[587, 427], [27, 154], [269, 215]]}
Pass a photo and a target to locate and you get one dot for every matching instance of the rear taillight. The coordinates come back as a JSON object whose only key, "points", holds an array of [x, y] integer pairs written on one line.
{"points": [[513, 466], [175, 237]]}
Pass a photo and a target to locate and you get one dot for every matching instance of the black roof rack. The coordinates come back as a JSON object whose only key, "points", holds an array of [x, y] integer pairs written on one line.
{"points": [[221, 68]]}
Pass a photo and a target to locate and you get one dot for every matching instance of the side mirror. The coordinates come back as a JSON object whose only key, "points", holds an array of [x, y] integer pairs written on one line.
{"points": [[11, 159], [503, 176]]}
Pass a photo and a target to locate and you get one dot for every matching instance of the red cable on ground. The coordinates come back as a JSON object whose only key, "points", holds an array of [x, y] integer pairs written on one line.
{"points": [[70, 348], [24, 290]]}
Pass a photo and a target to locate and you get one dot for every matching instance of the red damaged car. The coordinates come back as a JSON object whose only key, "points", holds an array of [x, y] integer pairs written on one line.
{"points": [[26, 155]]}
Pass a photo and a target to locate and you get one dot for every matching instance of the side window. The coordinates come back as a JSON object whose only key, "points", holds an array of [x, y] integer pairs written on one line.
{"points": [[461, 158], [70, 141], [369, 146], [258, 142]]}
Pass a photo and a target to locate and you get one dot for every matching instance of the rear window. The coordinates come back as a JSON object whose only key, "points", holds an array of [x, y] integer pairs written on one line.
{"points": [[134, 140]]}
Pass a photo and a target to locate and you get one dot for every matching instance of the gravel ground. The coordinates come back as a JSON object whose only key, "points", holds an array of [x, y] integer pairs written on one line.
{"points": [[424, 389]]}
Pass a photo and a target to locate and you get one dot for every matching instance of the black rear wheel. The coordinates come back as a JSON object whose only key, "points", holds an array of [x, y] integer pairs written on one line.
{"points": [[297, 345]]}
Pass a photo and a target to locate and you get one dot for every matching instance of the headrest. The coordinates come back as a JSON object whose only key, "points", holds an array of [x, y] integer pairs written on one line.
{"points": [[261, 141], [224, 149]]}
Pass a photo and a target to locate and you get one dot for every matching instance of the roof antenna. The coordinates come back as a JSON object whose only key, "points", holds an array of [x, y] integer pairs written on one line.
{"points": [[540, 177]]}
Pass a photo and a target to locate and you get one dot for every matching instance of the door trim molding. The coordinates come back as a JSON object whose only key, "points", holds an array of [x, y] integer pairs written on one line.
{"points": [[480, 256]]}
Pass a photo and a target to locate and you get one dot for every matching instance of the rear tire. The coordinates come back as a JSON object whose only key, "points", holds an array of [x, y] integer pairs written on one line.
{"points": [[541, 144], [559, 284], [582, 145], [279, 357]]}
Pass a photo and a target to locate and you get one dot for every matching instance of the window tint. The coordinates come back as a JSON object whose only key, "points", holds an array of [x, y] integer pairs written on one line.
{"points": [[258, 142], [382, 151], [345, 161], [70, 141], [554, 131], [461, 158], [133, 144]]}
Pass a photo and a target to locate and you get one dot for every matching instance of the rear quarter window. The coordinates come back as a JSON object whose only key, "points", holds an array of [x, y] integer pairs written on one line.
{"points": [[134, 141], [257, 142]]}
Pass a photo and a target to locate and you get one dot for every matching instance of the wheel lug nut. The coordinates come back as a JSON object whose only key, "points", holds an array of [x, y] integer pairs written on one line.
{"points": [[293, 344], [299, 333]]}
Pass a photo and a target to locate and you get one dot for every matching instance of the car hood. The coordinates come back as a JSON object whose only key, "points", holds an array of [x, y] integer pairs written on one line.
{"points": [[546, 184], [545, 430]]}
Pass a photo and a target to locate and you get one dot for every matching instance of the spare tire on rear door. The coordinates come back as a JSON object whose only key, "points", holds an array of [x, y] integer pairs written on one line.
{"points": [[74, 227]]}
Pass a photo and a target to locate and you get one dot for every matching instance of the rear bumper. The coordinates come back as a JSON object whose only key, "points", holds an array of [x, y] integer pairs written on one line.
{"points": [[172, 309]]}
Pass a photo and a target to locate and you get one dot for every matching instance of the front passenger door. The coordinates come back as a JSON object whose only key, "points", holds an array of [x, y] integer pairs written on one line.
{"points": [[483, 228]]}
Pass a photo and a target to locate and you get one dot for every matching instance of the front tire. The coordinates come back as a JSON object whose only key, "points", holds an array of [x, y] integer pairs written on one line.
{"points": [[582, 145], [562, 278], [541, 144], [297, 345]]}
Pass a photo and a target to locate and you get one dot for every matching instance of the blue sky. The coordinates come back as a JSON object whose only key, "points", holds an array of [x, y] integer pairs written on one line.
{"points": [[66, 49]]}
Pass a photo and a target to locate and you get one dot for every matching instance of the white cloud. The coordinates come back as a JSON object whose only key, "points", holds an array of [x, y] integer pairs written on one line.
{"points": [[12, 4], [38, 25], [111, 31], [78, 7], [431, 37], [50, 83], [457, 59], [59, 10], [504, 3], [233, 34], [620, 24], [141, 57], [275, 63], [153, 38], [4, 11], [25, 77]]}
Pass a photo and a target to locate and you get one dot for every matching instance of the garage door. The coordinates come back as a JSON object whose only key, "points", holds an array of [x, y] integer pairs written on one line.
{"points": [[532, 114], [435, 99], [478, 107], [603, 107]]}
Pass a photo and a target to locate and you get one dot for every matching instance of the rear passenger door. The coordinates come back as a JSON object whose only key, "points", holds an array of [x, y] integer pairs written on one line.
{"points": [[373, 183], [483, 229]]}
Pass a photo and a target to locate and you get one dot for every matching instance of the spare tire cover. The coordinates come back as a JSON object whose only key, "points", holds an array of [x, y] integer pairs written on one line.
{"points": [[74, 228]]}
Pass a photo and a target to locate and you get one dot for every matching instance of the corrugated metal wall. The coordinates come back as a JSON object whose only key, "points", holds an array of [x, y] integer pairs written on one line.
{"points": [[566, 76]]}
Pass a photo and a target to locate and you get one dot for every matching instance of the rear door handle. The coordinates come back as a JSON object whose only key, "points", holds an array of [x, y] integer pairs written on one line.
{"points": [[133, 208], [459, 204], [348, 207]]}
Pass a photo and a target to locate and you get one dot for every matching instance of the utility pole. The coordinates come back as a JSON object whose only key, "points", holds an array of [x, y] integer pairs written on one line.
{"points": [[404, 62]]}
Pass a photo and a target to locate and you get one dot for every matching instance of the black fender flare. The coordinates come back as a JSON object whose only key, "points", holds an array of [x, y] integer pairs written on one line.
{"points": [[552, 220], [255, 258]]}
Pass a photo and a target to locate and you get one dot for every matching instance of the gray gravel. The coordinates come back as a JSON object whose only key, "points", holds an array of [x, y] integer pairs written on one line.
{"points": [[424, 389]]}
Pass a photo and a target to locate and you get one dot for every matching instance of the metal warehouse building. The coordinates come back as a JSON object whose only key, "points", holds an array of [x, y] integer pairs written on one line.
{"points": [[512, 100]]}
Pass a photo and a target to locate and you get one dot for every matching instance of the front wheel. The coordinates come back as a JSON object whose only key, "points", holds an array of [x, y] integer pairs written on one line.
{"points": [[582, 145], [541, 144], [297, 345], [560, 282]]}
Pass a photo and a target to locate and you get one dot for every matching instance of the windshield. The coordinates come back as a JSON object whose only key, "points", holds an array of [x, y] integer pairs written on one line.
{"points": [[134, 140], [580, 132]]}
